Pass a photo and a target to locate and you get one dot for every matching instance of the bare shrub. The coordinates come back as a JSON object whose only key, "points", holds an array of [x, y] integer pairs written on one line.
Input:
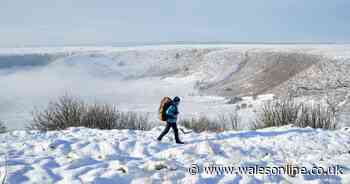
{"points": [[3, 128], [65, 112], [316, 116], [202, 124], [223, 122], [230, 120], [287, 111], [132, 120], [72, 112], [99, 116], [255, 125], [234, 120], [279, 113]]}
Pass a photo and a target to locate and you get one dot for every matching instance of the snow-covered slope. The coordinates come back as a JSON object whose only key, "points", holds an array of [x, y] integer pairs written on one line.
{"points": [[82, 156], [136, 78]]}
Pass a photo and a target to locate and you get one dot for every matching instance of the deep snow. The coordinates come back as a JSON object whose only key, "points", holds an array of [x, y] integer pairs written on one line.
{"points": [[136, 78], [81, 155]]}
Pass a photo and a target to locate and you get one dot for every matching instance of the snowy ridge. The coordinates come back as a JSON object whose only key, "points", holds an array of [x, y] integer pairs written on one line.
{"points": [[81, 155]]}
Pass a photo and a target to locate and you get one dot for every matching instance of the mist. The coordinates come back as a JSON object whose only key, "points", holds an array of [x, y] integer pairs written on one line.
{"points": [[93, 78]]}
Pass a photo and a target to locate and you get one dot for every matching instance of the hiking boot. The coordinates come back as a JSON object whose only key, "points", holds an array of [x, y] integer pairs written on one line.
{"points": [[179, 142]]}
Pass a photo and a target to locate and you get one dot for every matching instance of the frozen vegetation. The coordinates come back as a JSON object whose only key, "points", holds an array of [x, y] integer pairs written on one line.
{"points": [[228, 84]]}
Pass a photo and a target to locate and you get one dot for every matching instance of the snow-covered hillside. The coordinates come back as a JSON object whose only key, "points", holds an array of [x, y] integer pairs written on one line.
{"points": [[136, 78], [82, 156]]}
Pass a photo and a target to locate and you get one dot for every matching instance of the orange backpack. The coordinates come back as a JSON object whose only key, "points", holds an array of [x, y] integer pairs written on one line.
{"points": [[164, 104]]}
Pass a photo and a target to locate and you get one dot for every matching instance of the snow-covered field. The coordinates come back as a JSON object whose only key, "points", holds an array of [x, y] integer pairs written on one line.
{"points": [[81, 156]]}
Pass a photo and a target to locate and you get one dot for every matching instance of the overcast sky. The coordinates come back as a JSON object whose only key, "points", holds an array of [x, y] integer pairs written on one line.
{"points": [[106, 22]]}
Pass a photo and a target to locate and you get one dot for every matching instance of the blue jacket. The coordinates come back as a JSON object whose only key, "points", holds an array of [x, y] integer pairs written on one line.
{"points": [[171, 113]]}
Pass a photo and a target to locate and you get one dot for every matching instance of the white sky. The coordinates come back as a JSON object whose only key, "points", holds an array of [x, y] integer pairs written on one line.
{"points": [[93, 22]]}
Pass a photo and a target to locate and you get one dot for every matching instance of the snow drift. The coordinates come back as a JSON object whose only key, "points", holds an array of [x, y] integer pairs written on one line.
{"points": [[81, 155]]}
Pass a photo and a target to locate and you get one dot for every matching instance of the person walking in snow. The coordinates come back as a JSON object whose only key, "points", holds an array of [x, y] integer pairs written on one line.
{"points": [[171, 114]]}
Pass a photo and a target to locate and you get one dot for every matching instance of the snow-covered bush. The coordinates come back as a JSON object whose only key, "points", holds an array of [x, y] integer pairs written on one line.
{"points": [[131, 120], [288, 111], [99, 116], [279, 113], [316, 116], [2, 127], [104, 116], [231, 120], [202, 124], [66, 112], [223, 122], [69, 111]]}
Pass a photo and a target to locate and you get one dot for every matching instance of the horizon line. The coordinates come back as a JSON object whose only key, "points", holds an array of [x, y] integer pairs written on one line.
{"points": [[126, 44]]}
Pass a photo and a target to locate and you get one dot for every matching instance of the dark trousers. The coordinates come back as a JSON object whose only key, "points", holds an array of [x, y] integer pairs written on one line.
{"points": [[166, 130]]}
